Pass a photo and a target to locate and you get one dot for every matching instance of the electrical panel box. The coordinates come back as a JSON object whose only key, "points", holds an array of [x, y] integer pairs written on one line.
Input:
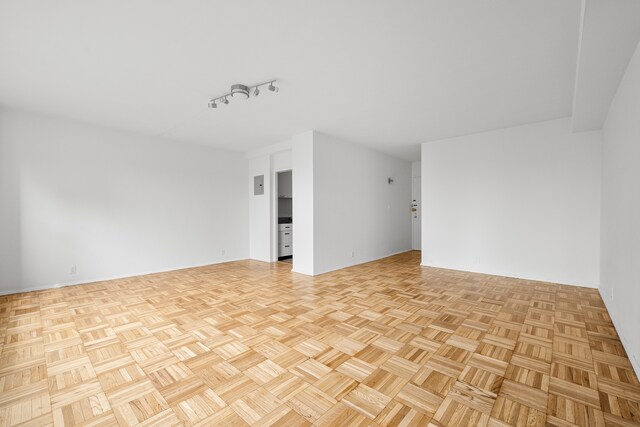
{"points": [[258, 185]]}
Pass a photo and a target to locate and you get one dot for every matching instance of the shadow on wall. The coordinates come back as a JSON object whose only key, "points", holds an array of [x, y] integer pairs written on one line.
{"points": [[10, 221]]}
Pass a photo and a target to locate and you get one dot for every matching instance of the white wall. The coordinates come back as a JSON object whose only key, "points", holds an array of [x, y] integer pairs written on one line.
{"points": [[303, 202], [260, 210], [113, 204], [358, 216], [263, 221], [281, 161], [520, 202], [416, 194], [620, 277], [416, 169]]}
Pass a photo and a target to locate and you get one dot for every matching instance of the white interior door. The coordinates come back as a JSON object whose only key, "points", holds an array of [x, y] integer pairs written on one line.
{"points": [[416, 215]]}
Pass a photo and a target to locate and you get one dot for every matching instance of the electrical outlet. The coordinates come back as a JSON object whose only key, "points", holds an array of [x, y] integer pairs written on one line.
{"points": [[73, 269]]}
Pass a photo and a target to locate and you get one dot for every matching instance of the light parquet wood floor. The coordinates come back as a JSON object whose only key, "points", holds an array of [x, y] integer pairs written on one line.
{"points": [[385, 343]]}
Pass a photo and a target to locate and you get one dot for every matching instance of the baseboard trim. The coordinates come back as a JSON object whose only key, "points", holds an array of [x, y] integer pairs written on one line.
{"points": [[318, 273], [633, 358], [144, 273], [35, 289], [534, 279], [103, 279]]}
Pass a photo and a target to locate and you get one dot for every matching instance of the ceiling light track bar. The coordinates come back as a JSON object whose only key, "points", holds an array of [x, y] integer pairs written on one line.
{"points": [[240, 91]]}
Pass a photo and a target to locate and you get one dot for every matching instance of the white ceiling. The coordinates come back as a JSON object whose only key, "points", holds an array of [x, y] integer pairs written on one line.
{"points": [[387, 74], [609, 34]]}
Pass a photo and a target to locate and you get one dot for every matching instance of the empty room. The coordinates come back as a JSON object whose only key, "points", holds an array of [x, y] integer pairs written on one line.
{"points": [[320, 213]]}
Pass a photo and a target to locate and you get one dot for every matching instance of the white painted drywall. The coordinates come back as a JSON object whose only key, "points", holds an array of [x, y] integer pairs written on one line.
{"points": [[609, 33], [416, 203], [263, 209], [620, 276], [260, 212], [302, 149], [358, 216], [281, 160], [416, 169], [113, 204], [520, 202]]}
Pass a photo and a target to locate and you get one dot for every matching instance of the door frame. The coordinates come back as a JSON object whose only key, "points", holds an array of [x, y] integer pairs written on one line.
{"points": [[274, 213], [414, 246]]}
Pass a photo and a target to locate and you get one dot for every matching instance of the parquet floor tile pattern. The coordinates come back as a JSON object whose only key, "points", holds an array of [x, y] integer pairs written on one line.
{"points": [[250, 343]]}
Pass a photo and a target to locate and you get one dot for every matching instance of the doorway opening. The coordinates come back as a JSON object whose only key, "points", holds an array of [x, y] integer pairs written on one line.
{"points": [[284, 188]]}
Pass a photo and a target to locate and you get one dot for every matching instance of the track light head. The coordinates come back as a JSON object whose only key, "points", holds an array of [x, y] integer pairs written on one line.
{"points": [[212, 104], [225, 100], [272, 88], [256, 92]]}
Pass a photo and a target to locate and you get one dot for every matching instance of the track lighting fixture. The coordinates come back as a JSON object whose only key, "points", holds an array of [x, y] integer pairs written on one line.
{"points": [[240, 91]]}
